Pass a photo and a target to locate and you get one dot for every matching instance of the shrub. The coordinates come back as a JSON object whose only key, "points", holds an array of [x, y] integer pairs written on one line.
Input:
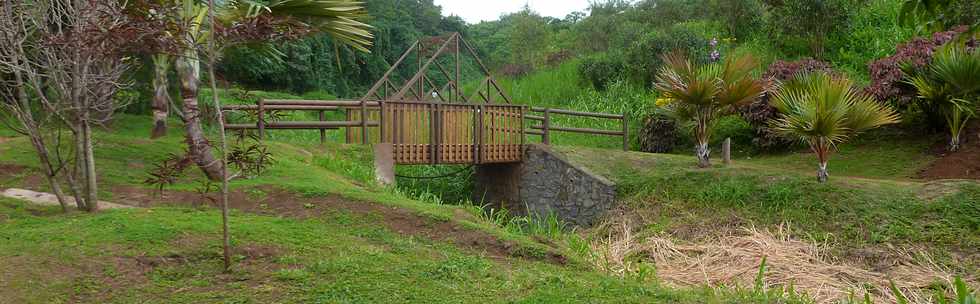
{"points": [[760, 112], [601, 70], [515, 70], [824, 111], [888, 81], [803, 26], [658, 134], [740, 17], [701, 93], [644, 58], [950, 86]]}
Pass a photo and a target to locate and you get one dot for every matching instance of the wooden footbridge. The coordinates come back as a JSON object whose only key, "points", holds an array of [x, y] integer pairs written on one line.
{"points": [[433, 117]]}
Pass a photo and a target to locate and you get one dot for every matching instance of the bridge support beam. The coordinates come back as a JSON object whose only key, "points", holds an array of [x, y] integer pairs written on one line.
{"points": [[544, 184]]}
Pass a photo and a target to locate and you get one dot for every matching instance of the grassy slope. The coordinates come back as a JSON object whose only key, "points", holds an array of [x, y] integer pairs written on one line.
{"points": [[851, 213], [883, 154], [172, 255]]}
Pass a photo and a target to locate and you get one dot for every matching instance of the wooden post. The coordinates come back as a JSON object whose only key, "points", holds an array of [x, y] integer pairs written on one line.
{"points": [[546, 125], [626, 133], [434, 133], [364, 129], [261, 118], [381, 122], [479, 134], [323, 132], [726, 151]]}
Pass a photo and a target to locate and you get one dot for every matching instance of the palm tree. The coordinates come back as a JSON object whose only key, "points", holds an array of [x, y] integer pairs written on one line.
{"points": [[950, 83], [702, 93], [823, 111], [336, 18]]}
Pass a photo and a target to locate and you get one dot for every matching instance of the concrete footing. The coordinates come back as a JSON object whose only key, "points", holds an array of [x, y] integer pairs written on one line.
{"points": [[384, 164], [544, 184]]}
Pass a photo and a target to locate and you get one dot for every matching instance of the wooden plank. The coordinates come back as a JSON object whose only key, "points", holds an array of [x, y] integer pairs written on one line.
{"points": [[305, 102], [581, 130]]}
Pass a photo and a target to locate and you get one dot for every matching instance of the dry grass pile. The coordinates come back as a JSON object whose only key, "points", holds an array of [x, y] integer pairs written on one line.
{"points": [[734, 261]]}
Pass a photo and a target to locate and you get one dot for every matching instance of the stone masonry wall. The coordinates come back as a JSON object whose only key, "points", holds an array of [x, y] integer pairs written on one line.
{"points": [[544, 183]]}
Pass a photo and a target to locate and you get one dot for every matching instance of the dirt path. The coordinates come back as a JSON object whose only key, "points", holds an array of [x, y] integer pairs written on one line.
{"points": [[48, 199]]}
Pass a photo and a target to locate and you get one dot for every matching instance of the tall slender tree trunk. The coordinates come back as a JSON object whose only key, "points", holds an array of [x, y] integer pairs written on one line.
{"points": [[33, 130], [822, 149], [199, 149], [701, 130], [91, 184], [161, 95], [212, 53], [44, 156], [703, 153], [822, 174], [80, 172]]}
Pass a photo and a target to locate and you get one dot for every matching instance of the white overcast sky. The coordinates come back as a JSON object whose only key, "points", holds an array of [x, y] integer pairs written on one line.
{"points": [[474, 11]]}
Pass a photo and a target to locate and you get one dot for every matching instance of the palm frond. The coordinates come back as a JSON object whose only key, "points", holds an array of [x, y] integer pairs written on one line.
{"points": [[341, 19], [817, 106]]}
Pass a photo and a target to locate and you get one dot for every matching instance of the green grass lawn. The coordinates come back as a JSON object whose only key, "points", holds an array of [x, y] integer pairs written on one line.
{"points": [[172, 254]]}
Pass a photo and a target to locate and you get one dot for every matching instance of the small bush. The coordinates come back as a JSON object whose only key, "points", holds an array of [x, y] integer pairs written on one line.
{"points": [[644, 61], [759, 113], [601, 70], [887, 79], [659, 134]]}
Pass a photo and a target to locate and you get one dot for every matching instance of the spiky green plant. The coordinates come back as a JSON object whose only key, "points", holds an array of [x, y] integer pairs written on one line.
{"points": [[701, 93], [950, 83], [824, 111]]}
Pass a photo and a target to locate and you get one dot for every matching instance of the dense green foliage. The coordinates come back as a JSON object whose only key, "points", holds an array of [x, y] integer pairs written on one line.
{"points": [[317, 63]]}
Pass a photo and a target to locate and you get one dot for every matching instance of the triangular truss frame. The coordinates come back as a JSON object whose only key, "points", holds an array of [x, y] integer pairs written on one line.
{"points": [[424, 88]]}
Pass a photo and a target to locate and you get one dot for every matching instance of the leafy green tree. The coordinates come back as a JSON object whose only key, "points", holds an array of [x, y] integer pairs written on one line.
{"points": [[528, 37], [701, 93], [808, 22], [823, 112], [938, 15], [950, 84], [740, 17]]}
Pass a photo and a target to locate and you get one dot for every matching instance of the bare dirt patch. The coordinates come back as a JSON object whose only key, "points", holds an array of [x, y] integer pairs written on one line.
{"points": [[962, 164]]}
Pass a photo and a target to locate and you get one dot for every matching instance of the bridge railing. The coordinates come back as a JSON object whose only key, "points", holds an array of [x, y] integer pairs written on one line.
{"points": [[452, 133], [265, 106], [545, 124]]}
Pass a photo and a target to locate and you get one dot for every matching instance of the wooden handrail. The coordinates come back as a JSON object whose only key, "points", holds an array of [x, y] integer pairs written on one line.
{"points": [[580, 130], [546, 127], [578, 113], [279, 107]]}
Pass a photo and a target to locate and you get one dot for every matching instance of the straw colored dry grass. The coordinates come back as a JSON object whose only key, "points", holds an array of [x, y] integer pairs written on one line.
{"points": [[734, 261]]}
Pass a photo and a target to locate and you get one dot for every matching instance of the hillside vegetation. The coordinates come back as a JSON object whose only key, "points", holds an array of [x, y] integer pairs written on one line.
{"points": [[312, 229]]}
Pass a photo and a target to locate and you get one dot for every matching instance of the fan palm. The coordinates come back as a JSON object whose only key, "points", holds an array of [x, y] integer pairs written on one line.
{"points": [[823, 112], [950, 83], [336, 18], [701, 93]]}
